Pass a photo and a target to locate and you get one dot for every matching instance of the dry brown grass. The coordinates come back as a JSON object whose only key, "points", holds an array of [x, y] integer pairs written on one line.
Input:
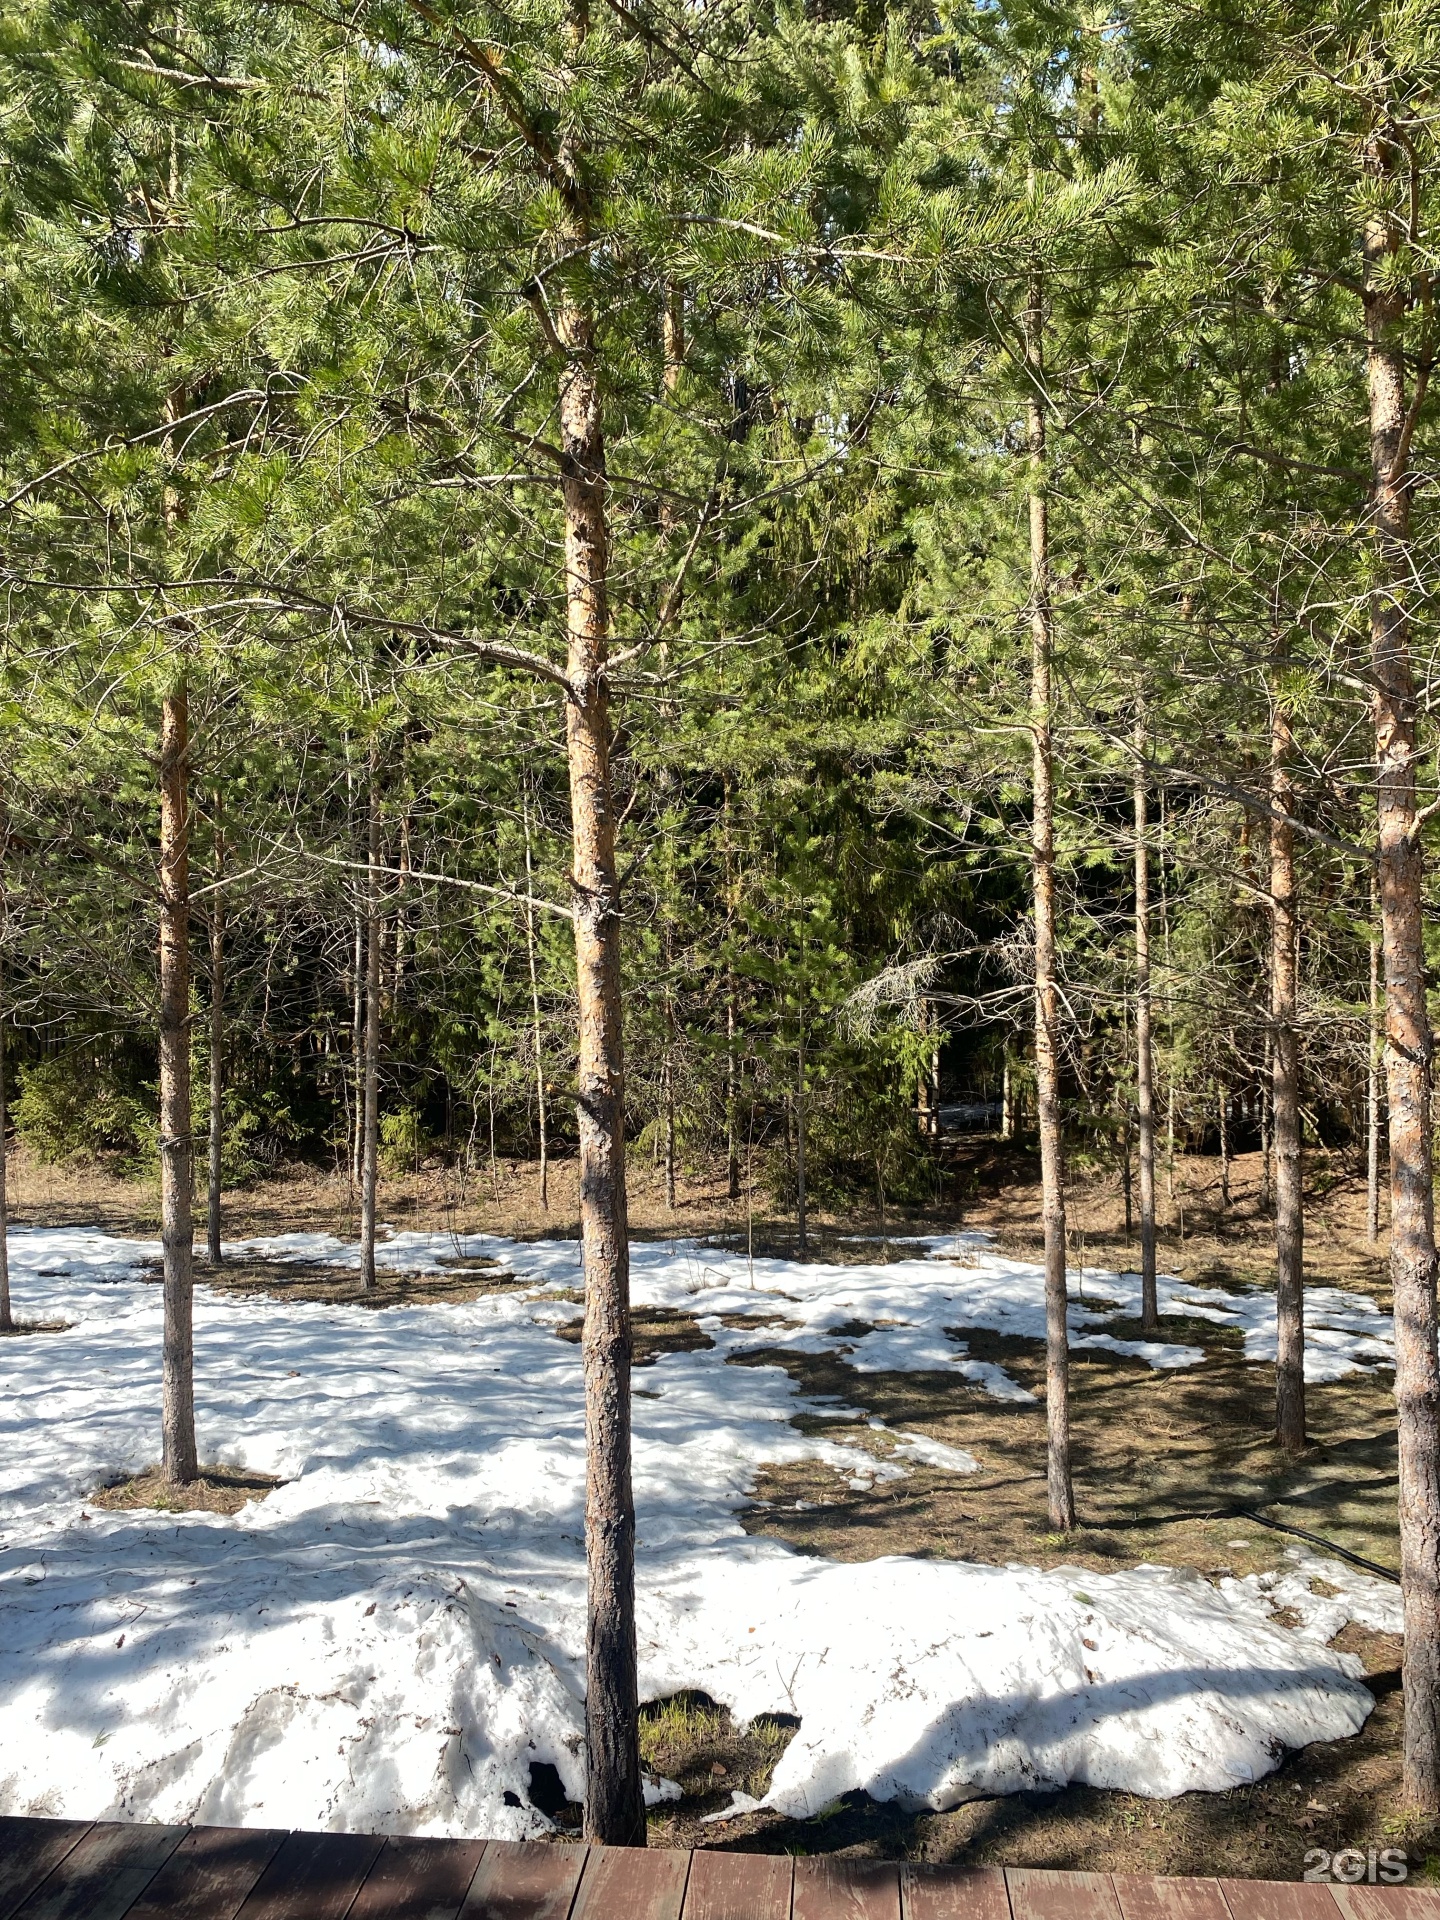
{"points": [[217, 1490]]}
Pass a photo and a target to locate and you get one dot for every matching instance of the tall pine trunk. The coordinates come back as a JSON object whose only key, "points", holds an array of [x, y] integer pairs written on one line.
{"points": [[1409, 1046], [217, 1060], [1376, 1054], [370, 1063], [542, 1109], [1047, 1025], [357, 1051], [1222, 1111], [802, 1210], [614, 1802], [7, 1323], [1289, 1203], [1144, 1047], [177, 1232]]}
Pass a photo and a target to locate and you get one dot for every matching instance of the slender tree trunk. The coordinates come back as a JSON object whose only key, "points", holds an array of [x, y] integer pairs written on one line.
{"points": [[357, 1051], [1289, 1205], [801, 1199], [669, 1089], [1007, 1101], [732, 1057], [614, 1805], [1222, 1109], [541, 1106], [217, 1058], [7, 1323], [370, 1067], [1047, 1025], [1376, 1053], [1409, 1045], [1267, 1107], [732, 1095], [177, 1231], [1144, 1046]]}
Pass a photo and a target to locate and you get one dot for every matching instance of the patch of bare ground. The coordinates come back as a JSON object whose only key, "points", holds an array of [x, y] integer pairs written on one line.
{"points": [[1176, 1467], [217, 1490], [17, 1327], [653, 1330], [312, 1280]]}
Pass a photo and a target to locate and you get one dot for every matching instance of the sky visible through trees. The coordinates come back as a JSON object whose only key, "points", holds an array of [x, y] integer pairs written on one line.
{"points": [[716, 576]]}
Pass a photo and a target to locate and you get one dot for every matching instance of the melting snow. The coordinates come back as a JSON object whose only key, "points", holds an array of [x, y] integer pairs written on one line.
{"points": [[393, 1638]]}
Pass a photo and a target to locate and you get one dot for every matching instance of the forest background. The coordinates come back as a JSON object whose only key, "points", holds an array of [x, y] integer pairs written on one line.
{"points": [[869, 545]]}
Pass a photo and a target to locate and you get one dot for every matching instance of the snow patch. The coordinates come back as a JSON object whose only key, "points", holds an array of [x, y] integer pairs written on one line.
{"points": [[395, 1637]]}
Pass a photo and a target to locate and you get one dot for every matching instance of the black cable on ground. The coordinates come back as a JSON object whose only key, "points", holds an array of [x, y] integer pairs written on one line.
{"points": [[1315, 1539]]}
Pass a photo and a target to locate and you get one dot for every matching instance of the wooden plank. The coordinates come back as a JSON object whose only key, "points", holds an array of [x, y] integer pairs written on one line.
{"points": [[314, 1876], [1144, 1898], [828, 1889], [632, 1883], [1277, 1900], [29, 1849], [104, 1874], [954, 1893], [738, 1886], [524, 1880], [418, 1879], [1387, 1903], [1060, 1896], [209, 1874]]}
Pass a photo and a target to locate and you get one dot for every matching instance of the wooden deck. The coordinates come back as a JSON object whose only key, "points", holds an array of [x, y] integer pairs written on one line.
{"points": [[73, 1870]]}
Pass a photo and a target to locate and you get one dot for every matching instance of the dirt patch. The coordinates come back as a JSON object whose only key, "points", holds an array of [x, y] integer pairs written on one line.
{"points": [[217, 1490], [313, 1280], [691, 1740], [654, 1330], [17, 1327]]}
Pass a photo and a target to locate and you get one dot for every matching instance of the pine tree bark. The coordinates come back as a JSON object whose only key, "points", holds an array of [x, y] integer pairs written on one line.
{"points": [[1047, 1024], [1144, 1046], [177, 1232], [541, 1104], [1222, 1110], [732, 1061], [370, 1067], [357, 1052], [614, 1804], [1289, 1204], [217, 1060], [1408, 1040], [802, 1212], [1376, 1053], [7, 1322]]}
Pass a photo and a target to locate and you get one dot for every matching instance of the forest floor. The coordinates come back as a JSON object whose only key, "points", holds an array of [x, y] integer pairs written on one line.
{"points": [[1174, 1467]]}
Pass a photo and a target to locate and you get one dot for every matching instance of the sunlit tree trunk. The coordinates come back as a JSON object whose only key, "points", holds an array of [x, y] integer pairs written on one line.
{"points": [[1222, 1114], [1408, 1039], [801, 1197], [370, 1067], [1144, 1047], [614, 1804], [541, 1104], [177, 1233], [1289, 1204], [1047, 1024], [217, 1058], [1374, 1062]]}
